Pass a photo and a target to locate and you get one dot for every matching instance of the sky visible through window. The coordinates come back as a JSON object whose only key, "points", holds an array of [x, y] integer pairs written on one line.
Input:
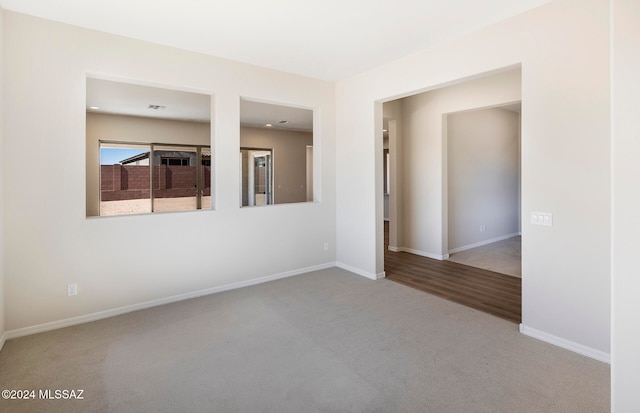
{"points": [[112, 156]]}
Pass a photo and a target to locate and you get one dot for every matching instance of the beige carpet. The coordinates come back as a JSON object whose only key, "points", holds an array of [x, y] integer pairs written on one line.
{"points": [[502, 256], [328, 341]]}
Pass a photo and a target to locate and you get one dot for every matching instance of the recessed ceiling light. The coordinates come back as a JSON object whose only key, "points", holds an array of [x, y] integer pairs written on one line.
{"points": [[268, 125], [384, 130], [94, 107]]}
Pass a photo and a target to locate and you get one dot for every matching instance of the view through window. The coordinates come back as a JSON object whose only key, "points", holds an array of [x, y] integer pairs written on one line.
{"points": [[141, 178]]}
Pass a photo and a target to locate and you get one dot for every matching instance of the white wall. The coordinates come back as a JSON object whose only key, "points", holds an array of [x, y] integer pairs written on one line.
{"points": [[127, 260], [482, 176], [565, 161], [626, 204], [2, 264]]}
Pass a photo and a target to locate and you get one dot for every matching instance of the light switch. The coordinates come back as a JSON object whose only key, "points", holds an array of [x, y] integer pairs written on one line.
{"points": [[542, 218]]}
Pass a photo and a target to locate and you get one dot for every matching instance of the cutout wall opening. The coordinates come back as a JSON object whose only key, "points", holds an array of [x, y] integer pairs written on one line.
{"points": [[148, 149], [276, 154]]}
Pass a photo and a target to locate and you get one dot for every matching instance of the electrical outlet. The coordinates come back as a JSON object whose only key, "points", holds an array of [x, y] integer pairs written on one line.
{"points": [[483, 228], [72, 289]]}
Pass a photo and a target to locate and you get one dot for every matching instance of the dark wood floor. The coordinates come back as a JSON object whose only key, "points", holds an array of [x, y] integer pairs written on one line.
{"points": [[488, 291]]}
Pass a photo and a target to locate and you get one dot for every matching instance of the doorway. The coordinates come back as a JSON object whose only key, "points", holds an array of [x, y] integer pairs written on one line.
{"points": [[417, 247], [483, 188], [257, 176]]}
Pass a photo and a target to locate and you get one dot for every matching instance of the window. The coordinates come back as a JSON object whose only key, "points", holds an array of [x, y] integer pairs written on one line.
{"points": [[153, 149], [175, 161], [143, 178], [124, 179]]}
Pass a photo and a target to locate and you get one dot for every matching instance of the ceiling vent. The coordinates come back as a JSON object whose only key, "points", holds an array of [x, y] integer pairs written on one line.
{"points": [[283, 122], [156, 107]]}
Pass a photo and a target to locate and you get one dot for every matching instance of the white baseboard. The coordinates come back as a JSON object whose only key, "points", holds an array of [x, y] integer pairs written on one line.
{"points": [[418, 252], [40, 328], [485, 242], [370, 275], [3, 338], [566, 344]]}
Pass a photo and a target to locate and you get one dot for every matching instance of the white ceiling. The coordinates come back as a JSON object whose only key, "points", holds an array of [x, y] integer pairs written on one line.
{"points": [[134, 100], [112, 97], [260, 114], [329, 39]]}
